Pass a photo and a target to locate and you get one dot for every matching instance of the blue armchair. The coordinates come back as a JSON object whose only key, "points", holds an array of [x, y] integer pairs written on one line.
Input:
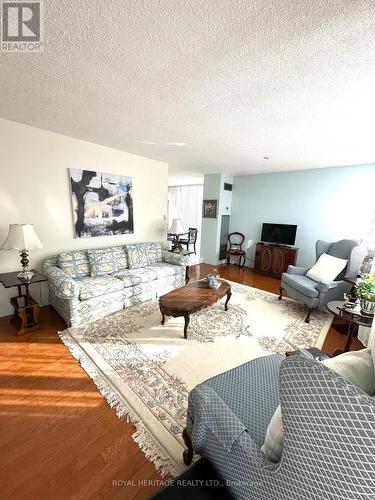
{"points": [[314, 294]]}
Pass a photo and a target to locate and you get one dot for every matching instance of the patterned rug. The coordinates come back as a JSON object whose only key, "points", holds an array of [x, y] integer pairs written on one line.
{"points": [[145, 370]]}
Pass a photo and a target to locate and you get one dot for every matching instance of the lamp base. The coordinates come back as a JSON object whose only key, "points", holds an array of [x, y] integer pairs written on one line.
{"points": [[177, 245], [25, 275]]}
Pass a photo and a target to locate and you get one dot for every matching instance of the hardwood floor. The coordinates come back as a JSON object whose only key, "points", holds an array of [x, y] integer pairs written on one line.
{"points": [[58, 437]]}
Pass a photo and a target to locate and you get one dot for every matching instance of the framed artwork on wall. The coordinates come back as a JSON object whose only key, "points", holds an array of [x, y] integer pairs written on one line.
{"points": [[210, 209], [102, 203]]}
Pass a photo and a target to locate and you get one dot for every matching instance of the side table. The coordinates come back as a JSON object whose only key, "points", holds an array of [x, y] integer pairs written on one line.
{"points": [[26, 308], [353, 318]]}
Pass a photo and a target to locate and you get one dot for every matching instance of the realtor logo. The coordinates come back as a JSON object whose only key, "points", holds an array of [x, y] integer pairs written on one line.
{"points": [[22, 26]]}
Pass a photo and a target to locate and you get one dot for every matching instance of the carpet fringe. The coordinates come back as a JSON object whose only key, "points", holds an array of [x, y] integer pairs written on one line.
{"points": [[141, 436]]}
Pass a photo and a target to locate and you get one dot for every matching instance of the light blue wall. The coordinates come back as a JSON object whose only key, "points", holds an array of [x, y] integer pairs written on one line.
{"points": [[329, 203]]}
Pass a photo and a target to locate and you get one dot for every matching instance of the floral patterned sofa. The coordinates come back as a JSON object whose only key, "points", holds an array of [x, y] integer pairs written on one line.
{"points": [[85, 285]]}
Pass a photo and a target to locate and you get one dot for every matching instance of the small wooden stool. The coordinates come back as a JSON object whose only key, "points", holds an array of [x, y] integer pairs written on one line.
{"points": [[27, 311]]}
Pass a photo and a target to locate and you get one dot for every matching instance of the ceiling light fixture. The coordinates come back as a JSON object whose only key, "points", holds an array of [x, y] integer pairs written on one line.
{"points": [[266, 157], [177, 144]]}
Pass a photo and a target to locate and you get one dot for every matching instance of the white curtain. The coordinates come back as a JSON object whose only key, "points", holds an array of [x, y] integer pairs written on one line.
{"points": [[369, 238], [368, 339], [185, 202], [365, 335]]}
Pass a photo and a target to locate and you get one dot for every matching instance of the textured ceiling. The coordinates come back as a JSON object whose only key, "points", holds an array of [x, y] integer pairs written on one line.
{"points": [[206, 85]]}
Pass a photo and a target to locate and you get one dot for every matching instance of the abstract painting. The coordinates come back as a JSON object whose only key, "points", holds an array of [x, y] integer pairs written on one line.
{"points": [[102, 203]]}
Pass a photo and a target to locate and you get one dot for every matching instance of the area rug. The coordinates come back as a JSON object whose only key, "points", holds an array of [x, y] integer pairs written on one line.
{"points": [[146, 370]]}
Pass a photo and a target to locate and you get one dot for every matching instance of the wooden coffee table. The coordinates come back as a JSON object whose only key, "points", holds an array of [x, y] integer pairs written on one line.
{"points": [[190, 299]]}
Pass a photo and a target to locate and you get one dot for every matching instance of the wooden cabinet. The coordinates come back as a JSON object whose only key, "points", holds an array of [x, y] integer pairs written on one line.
{"points": [[273, 260]]}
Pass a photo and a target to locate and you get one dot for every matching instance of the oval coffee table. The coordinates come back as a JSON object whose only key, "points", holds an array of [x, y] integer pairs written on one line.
{"points": [[192, 298]]}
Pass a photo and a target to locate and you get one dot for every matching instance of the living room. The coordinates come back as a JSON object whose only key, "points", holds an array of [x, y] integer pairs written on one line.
{"points": [[187, 239]]}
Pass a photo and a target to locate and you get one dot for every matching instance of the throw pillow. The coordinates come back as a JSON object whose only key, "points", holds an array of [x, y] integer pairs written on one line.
{"points": [[75, 264], [326, 268], [355, 366], [143, 254], [107, 260], [274, 438]]}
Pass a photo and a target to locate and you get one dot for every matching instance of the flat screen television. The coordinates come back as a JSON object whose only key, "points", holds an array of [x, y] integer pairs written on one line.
{"points": [[279, 234]]}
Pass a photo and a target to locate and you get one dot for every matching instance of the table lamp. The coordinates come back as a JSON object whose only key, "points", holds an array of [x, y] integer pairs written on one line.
{"points": [[177, 228], [22, 237]]}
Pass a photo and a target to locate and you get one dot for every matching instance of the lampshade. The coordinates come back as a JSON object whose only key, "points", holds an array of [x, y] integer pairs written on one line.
{"points": [[21, 237], [177, 227]]}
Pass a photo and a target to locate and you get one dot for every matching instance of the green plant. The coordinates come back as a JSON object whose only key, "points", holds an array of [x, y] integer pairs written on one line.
{"points": [[365, 287], [214, 273]]}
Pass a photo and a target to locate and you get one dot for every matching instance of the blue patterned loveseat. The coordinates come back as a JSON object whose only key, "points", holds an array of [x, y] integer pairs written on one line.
{"points": [[328, 430], [85, 285]]}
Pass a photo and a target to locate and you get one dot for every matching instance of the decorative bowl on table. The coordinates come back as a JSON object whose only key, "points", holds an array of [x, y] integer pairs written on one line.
{"points": [[213, 279], [213, 283], [367, 307]]}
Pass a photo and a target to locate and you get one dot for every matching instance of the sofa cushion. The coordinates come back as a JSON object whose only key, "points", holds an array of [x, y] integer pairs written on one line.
{"points": [[163, 269], [96, 286], [355, 366], [131, 277], [75, 263], [303, 284], [107, 260], [251, 392], [131, 291], [143, 254], [326, 268]]}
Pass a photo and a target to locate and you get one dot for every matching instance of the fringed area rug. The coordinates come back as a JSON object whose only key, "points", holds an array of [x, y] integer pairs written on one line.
{"points": [[146, 370]]}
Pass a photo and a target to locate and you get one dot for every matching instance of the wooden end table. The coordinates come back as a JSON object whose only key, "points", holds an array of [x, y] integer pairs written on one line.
{"points": [[25, 307], [353, 318], [191, 298]]}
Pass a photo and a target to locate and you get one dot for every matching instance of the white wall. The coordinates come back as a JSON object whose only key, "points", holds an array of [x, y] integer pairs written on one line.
{"points": [[185, 181], [34, 188], [327, 203]]}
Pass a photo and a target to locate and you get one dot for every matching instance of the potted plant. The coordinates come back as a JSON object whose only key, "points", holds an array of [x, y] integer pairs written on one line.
{"points": [[365, 291]]}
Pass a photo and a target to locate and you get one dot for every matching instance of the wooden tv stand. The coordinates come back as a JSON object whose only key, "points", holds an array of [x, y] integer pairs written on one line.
{"points": [[273, 260]]}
